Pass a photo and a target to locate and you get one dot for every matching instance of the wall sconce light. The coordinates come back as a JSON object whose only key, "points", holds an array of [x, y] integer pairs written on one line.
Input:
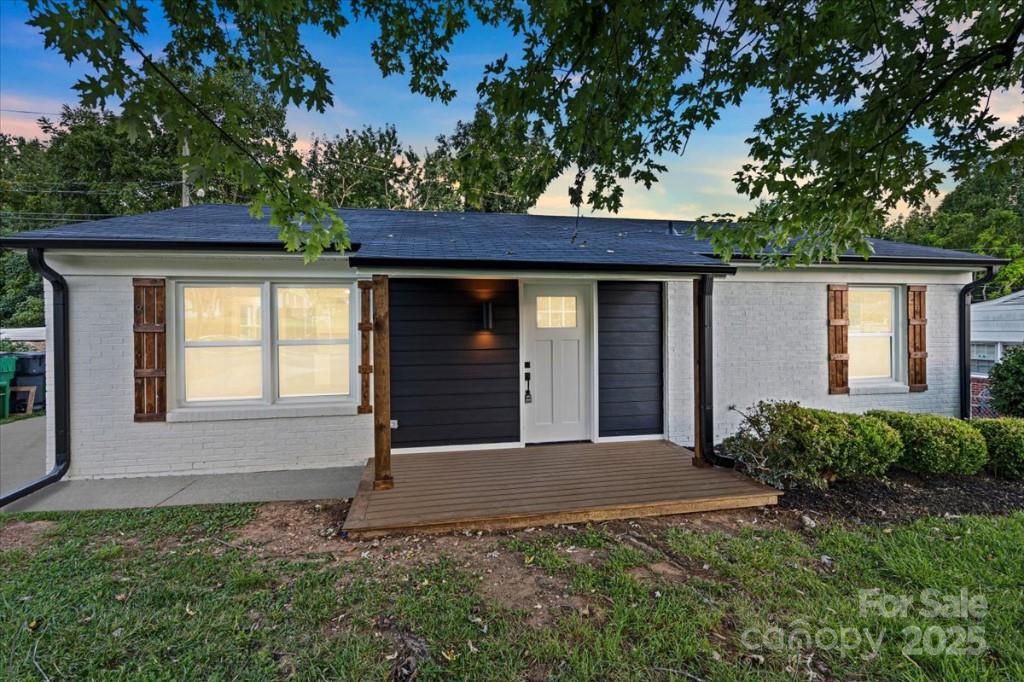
{"points": [[487, 316]]}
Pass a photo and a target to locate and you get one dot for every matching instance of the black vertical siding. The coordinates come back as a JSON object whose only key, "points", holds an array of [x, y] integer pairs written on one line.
{"points": [[452, 383], [629, 356]]}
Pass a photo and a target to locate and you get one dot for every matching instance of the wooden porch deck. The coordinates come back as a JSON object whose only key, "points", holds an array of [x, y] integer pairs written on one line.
{"points": [[565, 483]]}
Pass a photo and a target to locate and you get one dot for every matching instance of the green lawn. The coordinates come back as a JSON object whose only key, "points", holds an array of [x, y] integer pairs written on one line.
{"points": [[180, 593]]}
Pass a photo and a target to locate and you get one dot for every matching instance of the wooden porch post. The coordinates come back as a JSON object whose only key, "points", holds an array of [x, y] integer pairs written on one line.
{"points": [[382, 479], [703, 396]]}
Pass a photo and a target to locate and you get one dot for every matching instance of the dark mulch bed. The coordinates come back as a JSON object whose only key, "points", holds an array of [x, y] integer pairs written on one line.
{"points": [[905, 497]]}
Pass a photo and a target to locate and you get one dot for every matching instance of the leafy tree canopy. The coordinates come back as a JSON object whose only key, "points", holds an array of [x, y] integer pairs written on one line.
{"points": [[983, 214], [88, 169], [373, 168], [867, 99]]}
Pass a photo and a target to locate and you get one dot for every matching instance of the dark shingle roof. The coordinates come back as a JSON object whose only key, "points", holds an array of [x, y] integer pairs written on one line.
{"points": [[436, 239]]}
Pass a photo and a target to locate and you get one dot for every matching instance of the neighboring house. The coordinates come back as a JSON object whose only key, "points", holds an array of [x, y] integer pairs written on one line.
{"points": [[187, 341], [995, 326], [33, 337]]}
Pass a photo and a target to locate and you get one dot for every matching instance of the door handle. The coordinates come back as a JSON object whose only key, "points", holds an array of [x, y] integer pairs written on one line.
{"points": [[528, 398]]}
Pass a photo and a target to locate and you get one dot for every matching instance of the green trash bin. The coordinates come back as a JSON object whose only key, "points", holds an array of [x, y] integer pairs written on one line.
{"points": [[8, 364]]}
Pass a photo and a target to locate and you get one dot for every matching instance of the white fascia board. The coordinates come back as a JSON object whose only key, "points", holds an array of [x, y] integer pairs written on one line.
{"points": [[198, 264], [855, 273]]}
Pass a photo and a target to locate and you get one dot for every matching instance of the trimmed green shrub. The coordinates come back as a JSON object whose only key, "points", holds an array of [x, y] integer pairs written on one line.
{"points": [[936, 445], [874, 448], [784, 444], [1005, 439], [1007, 383]]}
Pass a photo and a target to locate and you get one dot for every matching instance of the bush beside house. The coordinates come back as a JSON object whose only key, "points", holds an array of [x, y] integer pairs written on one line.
{"points": [[1006, 383], [784, 444], [1005, 440], [937, 445]]}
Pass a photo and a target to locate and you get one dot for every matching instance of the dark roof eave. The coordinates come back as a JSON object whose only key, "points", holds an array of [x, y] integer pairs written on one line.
{"points": [[17, 242], [979, 262], [511, 265]]}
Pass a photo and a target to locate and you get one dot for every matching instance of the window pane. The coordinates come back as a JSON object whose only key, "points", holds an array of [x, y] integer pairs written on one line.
{"points": [[981, 367], [870, 310], [983, 357], [223, 373], [222, 313], [556, 312], [983, 351], [870, 357], [313, 313], [313, 370]]}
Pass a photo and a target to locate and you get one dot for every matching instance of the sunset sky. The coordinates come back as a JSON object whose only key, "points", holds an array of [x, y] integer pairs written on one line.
{"points": [[33, 79]]}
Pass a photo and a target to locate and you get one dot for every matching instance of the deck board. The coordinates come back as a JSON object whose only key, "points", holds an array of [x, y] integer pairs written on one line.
{"points": [[566, 483]]}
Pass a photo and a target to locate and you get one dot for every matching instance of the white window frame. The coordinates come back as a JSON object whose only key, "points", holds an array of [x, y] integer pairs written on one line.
{"points": [[268, 343], [898, 364], [1001, 347]]}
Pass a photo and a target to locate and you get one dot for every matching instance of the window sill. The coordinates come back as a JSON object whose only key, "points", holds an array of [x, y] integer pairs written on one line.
{"points": [[878, 388], [216, 414]]}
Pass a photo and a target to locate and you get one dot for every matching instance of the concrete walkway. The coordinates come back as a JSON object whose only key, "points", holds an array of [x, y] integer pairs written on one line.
{"points": [[22, 459]]}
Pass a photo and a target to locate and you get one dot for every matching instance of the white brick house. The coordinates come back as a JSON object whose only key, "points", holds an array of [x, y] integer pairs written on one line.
{"points": [[503, 330]]}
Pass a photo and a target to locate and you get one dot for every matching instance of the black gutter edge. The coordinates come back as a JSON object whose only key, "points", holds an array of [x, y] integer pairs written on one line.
{"points": [[980, 262], [966, 296], [16, 242], [510, 265], [61, 377]]}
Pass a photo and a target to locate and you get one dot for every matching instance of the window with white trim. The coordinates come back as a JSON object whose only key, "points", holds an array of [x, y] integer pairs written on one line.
{"points": [[875, 333], [985, 354], [265, 342], [983, 357]]}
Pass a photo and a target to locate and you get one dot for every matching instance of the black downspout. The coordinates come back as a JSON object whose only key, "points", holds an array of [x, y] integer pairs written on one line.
{"points": [[61, 376], [966, 295], [704, 359]]}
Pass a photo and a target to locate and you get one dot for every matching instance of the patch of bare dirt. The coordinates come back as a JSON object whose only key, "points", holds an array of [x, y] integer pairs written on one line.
{"points": [[504, 575], [297, 528], [728, 521], [19, 534]]}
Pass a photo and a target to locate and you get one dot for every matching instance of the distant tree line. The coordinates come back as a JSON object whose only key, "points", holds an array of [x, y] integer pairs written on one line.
{"points": [[984, 213], [90, 166]]}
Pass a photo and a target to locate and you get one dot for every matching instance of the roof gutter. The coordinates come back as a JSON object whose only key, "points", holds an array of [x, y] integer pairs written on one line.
{"points": [[966, 295], [904, 260], [61, 376]]}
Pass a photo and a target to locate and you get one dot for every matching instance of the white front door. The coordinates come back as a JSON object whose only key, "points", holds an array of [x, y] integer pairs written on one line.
{"points": [[556, 355]]}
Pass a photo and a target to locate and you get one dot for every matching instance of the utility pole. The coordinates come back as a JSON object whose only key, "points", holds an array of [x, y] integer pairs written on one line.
{"points": [[186, 200]]}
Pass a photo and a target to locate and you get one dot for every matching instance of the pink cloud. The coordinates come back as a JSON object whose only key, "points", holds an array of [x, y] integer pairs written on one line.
{"points": [[1007, 105], [20, 125], [17, 122]]}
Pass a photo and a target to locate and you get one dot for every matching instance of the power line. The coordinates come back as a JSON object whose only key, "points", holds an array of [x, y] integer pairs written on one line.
{"points": [[25, 111], [89, 192], [44, 215], [44, 183], [148, 61]]}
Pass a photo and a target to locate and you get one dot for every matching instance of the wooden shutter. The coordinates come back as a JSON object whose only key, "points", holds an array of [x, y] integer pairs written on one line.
{"points": [[838, 339], [365, 327], [150, 350], [917, 351]]}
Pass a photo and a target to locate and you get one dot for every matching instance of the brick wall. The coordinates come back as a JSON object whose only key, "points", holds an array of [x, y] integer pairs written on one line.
{"points": [[770, 342], [107, 442], [981, 406]]}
